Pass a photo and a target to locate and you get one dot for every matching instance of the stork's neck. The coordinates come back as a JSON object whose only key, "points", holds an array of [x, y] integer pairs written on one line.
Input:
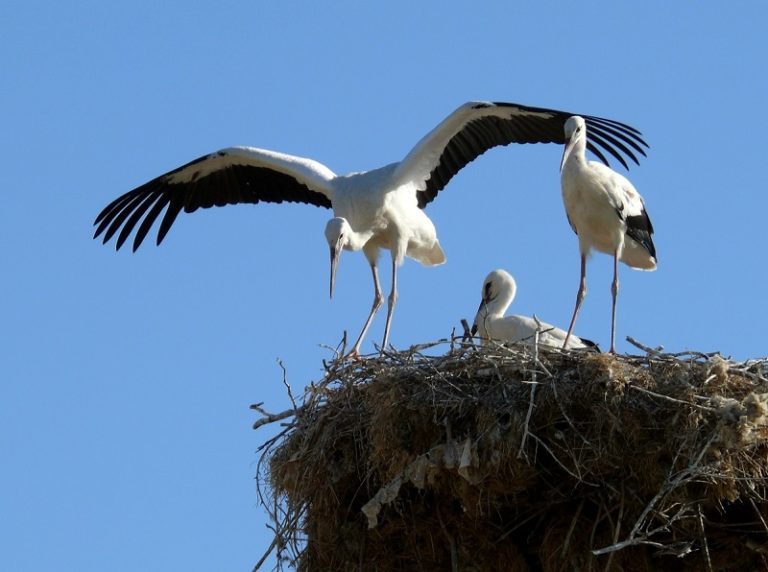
{"points": [[574, 155], [498, 306], [356, 240]]}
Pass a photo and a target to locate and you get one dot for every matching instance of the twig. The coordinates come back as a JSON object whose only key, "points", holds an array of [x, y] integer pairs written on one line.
{"points": [[646, 349], [467, 337], [634, 541], [451, 543], [559, 462], [567, 541], [286, 384], [759, 515], [617, 531], [743, 369], [272, 417], [269, 550], [672, 399], [704, 542], [534, 385]]}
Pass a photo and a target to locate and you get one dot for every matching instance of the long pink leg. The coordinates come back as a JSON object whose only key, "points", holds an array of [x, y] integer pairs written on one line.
{"points": [[390, 305], [377, 300], [579, 298], [615, 294]]}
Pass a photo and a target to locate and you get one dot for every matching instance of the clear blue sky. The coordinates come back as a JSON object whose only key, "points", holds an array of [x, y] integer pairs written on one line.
{"points": [[125, 437]]}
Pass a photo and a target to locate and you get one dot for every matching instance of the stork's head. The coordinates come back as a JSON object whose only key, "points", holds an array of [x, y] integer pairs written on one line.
{"points": [[575, 130], [499, 289], [337, 233]]}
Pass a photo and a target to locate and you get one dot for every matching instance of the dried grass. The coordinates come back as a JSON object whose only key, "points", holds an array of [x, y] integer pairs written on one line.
{"points": [[522, 458]]}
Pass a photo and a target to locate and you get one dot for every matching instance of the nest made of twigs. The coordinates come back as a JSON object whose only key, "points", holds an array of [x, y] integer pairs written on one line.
{"points": [[523, 458]]}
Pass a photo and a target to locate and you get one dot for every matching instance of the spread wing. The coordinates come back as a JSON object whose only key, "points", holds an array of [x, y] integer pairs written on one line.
{"points": [[476, 127], [227, 177]]}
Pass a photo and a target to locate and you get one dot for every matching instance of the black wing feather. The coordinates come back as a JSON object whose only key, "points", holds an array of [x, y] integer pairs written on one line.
{"points": [[110, 211], [598, 139], [597, 152], [640, 229], [617, 140], [138, 211], [146, 224], [612, 134], [119, 215], [234, 184], [174, 208]]}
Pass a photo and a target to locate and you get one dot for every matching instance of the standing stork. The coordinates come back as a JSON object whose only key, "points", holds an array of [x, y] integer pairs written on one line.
{"points": [[498, 292], [606, 213], [372, 210]]}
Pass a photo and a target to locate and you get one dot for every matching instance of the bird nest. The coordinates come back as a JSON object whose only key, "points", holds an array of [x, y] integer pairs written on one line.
{"points": [[522, 458]]}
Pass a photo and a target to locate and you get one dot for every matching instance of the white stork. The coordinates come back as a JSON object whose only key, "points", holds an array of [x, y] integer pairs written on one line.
{"points": [[376, 209], [606, 212], [498, 292]]}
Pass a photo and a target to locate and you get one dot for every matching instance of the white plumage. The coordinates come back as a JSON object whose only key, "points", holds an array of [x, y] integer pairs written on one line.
{"points": [[376, 209], [498, 292], [607, 214]]}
